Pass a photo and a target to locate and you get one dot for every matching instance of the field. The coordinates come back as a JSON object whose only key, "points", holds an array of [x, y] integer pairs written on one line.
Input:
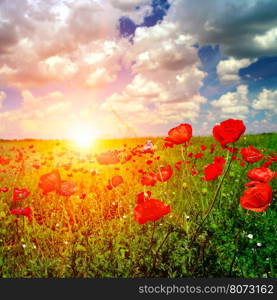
{"points": [[87, 228]]}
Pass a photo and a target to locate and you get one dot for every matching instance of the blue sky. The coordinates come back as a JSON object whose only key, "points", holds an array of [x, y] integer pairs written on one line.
{"points": [[80, 64]]}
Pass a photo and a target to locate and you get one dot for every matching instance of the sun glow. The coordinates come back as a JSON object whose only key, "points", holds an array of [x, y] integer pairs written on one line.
{"points": [[83, 136]]}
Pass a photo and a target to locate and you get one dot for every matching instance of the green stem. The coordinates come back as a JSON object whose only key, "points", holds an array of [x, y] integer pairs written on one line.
{"points": [[213, 201], [159, 248], [152, 237]]}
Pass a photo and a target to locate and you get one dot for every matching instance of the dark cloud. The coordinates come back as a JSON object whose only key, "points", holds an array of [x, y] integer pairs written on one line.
{"points": [[231, 24]]}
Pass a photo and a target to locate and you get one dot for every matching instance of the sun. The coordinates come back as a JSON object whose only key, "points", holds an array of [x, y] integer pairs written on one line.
{"points": [[83, 136]]}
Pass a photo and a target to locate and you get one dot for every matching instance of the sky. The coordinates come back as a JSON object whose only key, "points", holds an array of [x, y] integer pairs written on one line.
{"points": [[123, 68]]}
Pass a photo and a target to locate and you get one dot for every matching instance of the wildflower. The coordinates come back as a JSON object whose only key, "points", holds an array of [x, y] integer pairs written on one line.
{"points": [[203, 148], [142, 197], [115, 181], [250, 154], [165, 173], [50, 182], [257, 198], [180, 134], [107, 158], [67, 188], [27, 212], [212, 171], [150, 210], [220, 160], [198, 155], [261, 174], [20, 194], [228, 131], [149, 180], [178, 164]]}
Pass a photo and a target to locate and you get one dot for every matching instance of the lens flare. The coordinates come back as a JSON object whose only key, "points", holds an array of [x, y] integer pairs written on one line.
{"points": [[83, 136]]}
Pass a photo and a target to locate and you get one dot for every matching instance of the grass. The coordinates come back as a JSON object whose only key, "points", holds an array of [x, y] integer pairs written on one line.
{"points": [[98, 236]]}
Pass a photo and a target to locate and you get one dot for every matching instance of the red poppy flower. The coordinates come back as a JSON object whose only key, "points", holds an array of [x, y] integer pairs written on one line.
{"points": [[257, 198], [149, 180], [194, 172], [251, 183], [4, 161], [219, 160], [267, 164], [212, 171], [250, 154], [20, 194], [4, 189], [190, 154], [50, 182], [261, 174], [116, 180], [203, 147], [142, 197], [67, 188], [168, 145], [178, 164], [149, 162], [228, 131], [27, 212], [198, 155], [165, 173], [108, 158], [212, 147], [232, 150], [180, 134], [83, 195], [150, 210]]}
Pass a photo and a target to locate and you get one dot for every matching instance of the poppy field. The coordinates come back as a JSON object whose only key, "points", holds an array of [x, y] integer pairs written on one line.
{"points": [[174, 206]]}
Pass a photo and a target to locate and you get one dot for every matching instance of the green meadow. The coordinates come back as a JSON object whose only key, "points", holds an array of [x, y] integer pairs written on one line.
{"points": [[93, 232]]}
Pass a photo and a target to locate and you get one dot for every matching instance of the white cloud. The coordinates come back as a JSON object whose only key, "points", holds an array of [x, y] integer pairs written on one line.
{"points": [[37, 116], [227, 70], [3, 96], [165, 88], [62, 40], [233, 104], [267, 40], [266, 100], [262, 126], [99, 77]]}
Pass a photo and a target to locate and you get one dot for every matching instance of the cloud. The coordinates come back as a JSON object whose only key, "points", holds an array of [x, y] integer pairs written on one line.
{"points": [[56, 38], [266, 100], [38, 117], [267, 40], [235, 25], [227, 70], [233, 104], [3, 96], [165, 88], [261, 126]]}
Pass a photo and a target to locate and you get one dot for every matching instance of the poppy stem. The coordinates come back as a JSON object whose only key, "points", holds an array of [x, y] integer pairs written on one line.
{"points": [[213, 201], [159, 248], [152, 237]]}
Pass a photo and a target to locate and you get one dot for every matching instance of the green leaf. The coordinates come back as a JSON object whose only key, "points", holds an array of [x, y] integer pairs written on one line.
{"points": [[80, 248]]}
